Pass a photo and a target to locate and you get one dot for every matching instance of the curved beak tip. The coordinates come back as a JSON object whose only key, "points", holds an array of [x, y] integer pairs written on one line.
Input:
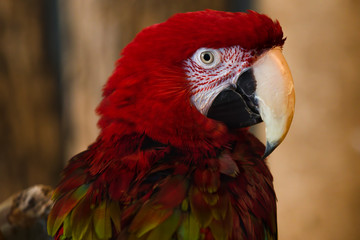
{"points": [[270, 147]]}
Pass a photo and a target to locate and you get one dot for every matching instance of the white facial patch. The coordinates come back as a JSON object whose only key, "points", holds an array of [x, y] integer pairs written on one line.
{"points": [[210, 71]]}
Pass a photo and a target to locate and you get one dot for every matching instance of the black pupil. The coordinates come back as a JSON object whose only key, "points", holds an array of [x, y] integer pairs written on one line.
{"points": [[207, 57]]}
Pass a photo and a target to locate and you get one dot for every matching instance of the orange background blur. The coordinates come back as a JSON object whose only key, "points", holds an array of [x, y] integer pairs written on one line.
{"points": [[55, 56]]}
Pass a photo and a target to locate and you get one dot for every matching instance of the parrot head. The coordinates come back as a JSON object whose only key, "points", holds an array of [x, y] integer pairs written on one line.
{"points": [[198, 76]]}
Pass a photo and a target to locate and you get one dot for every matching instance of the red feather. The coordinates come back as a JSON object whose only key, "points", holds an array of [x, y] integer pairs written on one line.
{"points": [[158, 163], [172, 192]]}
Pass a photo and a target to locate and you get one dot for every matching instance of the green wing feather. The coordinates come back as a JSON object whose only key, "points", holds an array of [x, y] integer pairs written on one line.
{"points": [[62, 208], [148, 218], [82, 219], [114, 212], [102, 221], [189, 228], [166, 229], [199, 208]]}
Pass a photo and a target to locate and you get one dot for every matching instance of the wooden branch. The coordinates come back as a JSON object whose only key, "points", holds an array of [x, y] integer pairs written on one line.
{"points": [[24, 215]]}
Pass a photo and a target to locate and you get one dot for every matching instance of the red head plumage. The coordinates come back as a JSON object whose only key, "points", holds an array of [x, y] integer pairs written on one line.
{"points": [[148, 92]]}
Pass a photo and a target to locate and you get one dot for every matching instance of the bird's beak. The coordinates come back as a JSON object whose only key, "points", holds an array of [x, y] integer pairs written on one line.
{"points": [[264, 92], [275, 96]]}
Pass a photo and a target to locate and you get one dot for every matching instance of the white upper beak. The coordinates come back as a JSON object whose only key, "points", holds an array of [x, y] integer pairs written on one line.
{"points": [[275, 96]]}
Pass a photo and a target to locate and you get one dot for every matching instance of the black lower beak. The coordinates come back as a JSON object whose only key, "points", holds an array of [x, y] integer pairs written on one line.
{"points": [[237, 108]]}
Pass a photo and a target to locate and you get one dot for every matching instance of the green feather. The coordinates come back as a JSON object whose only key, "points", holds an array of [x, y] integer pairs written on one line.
{"points": [[90, 235], [189, 229], [62, 208], [80, 220], [67, 227], [166, 229], [102, 223], [199, 208], [221, 229], [220, 209], [80, 191], [63, 237], [185, 205], [148, 218], [115, 214], [268, 235]]}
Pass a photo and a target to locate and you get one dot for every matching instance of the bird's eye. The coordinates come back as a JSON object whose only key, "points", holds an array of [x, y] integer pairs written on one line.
{"points": [[207, 57]]}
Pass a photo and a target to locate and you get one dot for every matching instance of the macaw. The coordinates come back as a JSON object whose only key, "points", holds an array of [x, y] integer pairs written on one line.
{"points": [[174, 158]]}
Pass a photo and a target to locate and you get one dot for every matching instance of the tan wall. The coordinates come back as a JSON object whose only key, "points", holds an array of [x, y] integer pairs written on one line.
{"points": [[30, 151], [317, 168]]}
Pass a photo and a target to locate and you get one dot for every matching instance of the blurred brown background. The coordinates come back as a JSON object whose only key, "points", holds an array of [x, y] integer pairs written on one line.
{"points": [[56, 55]]}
